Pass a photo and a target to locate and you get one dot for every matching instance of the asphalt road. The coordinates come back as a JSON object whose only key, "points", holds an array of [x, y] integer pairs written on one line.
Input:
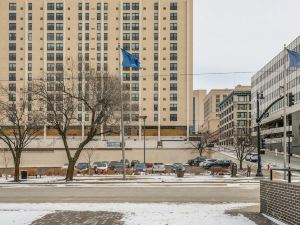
{"points": [[198, 193]]}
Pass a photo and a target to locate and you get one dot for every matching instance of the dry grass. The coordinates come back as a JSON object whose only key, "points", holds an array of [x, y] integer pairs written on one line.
{"points": [[216, 170]]}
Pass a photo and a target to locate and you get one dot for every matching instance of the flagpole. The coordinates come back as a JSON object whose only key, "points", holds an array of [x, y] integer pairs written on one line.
{"points": [[284, 110], [122, 121]]}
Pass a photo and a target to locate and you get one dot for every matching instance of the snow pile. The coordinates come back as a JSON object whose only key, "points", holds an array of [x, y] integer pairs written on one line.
{"points": [[134, 214]]}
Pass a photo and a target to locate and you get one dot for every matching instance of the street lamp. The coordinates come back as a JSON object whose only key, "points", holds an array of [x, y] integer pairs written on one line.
{"points": [[259, 96], [144, 119]]}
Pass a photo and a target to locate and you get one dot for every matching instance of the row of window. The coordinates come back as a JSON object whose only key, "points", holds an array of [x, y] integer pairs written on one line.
{"points": [[87, 6], [87, 46], [57, 26], [135, 117], [135, 76], [135, 97]]}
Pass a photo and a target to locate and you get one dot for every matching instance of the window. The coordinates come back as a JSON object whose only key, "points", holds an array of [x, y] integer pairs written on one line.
{"points": [[156, 77], [173, 107], [134, 117], [80, 26], [126, 46], [50, 16], [173, 87], [155, 107], [155, 46], [173, 97], [155, 16], [59, 36], [135, 36], [87, 36], [50, 6], [29, 76], [105, 26], [12, 16], [155, 26], [173, 56], [12, 67], [59, 46], [173, 16], [50, 67], [173, 46], [87, 16], [59, 26], [29, 16], [87, 26], [156, 6], [135, 26], [29, 37], [155, 97], [98, 36], [105, 6], [98, 47], [155, 66], [155, 36], [135, 16], [135, 46], [12, 36], [126, 6], [98, 16], [12, 56], [29, 26], [155, 88], [134, 97], [135, 76], [12, 46], [173, 36], [173, 117], [173, 6], [12, 97], [87, 6], [50, 26], [98, 26], [59, 56], [59, 6], [126, 16], [29, 6], [86, 117], [135, 6], [29, 66], [126, 36], [98, 6], [155, 117], [173, 26], [135, 87], [79, 16], [79, 6], [59, 16], [173, 76], [126, 77], [173, 66], [105, 16], [12, 6], [12, 77], [105, 36], [50, 56], [29, 46], [12, 26]]}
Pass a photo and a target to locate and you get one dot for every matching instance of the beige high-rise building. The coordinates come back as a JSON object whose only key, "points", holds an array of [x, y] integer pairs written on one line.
{"points": [[198, 109], [40, 39], [211, 110]]}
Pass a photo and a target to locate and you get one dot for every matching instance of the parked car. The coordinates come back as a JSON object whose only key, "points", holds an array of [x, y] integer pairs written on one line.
{"points": [[95, 164], [65, 166], [134, 162], [112, 164], [82, 167], [254, 158], [101, 168], [248, 156], [140, 167], [219, 163], [158, 167], [126, 162], [196, 161], [118, 167], [203, 163], [178, 166]]}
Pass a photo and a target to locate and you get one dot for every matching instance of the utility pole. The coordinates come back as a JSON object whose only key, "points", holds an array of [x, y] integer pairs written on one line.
{"points": [[284, 111], [258, 97]]}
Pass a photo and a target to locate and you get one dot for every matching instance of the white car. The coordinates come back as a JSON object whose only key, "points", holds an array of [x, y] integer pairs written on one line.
{"points": [[204, 163], [248, 156], [254, 158], [158, 167], [101, 168]]}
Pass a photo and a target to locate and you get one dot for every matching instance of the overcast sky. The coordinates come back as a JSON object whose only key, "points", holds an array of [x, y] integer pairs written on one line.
{"points": [[239, 35]]}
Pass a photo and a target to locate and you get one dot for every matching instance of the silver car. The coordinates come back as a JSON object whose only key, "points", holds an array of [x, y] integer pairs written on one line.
{"points": [[158, 167]]}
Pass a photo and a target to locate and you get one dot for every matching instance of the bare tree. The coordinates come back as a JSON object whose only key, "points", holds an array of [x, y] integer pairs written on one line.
{"points": [[91, 93], [200, 142], [21, 125], [243, 144], [89, 154]]}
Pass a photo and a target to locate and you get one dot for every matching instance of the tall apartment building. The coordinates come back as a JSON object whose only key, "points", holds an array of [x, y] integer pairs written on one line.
{"points": [[198, 109], [269, 81], [211, 109], [42, 38], [235, 114]]}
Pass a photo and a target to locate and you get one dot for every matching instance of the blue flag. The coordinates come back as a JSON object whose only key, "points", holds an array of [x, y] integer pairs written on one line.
{"points": [[294, 58], [130, 60]]}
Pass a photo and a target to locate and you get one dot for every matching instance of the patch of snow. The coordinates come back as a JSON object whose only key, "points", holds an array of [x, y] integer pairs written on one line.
{"points": [[134, 214], [274, 220]]}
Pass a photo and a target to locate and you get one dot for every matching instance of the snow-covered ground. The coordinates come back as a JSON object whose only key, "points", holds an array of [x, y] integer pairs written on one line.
{"points": [[134, 214], [151, 178]]}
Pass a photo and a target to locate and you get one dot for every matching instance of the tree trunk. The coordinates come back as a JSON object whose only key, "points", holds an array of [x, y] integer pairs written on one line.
{"points": [[17, 170], [70, 171], [241, 164]]}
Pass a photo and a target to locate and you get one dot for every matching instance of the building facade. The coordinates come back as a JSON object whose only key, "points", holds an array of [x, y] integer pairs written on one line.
{"points": [[211, 109], [269, 81], [43, 38], [235, 114], [198, 109]]}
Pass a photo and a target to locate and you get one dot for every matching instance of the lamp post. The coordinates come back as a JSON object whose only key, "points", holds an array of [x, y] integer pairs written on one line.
{"points": [[259, 96], [144, 119]]}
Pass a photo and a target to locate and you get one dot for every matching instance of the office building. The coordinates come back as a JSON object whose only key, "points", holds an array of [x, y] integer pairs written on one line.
{"points": [[198, 109]]}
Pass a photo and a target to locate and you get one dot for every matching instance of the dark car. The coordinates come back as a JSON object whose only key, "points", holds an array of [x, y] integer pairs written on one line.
{"points": [[140, 167], [112, 164], [118, 167], [196, 161], [178, 166], [82, 167], [134, 162], [126, 162], [218, 163]]}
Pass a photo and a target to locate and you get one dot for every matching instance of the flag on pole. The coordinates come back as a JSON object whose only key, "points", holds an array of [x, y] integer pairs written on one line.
{"points": [[294, 58], [130, 60]]}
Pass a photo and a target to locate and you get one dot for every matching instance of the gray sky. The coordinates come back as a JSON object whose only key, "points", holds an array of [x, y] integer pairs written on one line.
{"points": [[240, 35]]}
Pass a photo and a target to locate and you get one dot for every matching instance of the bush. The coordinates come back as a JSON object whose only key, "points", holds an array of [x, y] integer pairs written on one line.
{"points": [[32, 172]]}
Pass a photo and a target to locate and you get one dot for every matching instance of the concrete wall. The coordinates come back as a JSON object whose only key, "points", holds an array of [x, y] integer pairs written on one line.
{"points": [[281, 201], [56, 158]]}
